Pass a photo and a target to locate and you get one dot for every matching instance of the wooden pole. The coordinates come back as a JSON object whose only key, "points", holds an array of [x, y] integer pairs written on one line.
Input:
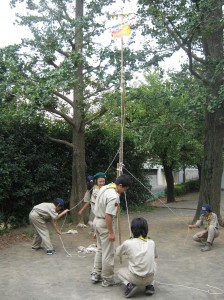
{"points": [[121, 153], [121, 156]]}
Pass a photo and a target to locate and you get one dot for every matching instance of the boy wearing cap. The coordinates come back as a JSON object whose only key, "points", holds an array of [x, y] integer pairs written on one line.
{"points": [[90, 196], [209, 221], [105, 211], [39, 216]]}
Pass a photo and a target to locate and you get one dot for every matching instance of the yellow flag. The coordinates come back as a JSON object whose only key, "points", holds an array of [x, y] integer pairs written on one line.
{"points": [[119, 31]]}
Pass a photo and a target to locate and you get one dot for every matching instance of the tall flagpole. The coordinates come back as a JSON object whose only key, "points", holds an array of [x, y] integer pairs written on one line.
{"points": [[121, 152]]}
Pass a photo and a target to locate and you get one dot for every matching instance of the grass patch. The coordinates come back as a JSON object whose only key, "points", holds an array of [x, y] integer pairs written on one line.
{"points": [[4, 231], [143, 207], [28, 232]]}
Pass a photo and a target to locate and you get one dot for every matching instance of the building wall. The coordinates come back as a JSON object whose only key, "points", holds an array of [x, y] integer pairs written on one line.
{"points": [[156, 176]]}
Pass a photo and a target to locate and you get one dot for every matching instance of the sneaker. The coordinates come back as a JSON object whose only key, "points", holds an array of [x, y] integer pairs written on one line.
{"points": [[50, 252], [201, 241], [207, 247], [96, 277], [130, 289], [149, 290], [112, 282], [37, 248]]}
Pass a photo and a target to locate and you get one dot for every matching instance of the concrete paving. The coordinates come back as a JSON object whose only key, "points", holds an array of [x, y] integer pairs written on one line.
{"points": [[184, 272]]}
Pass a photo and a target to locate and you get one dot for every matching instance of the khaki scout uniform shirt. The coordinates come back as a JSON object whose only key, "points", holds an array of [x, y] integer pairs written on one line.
{"points": [[107, 201], [205, 222], [46, 211], [141, 256], [91, 198]]}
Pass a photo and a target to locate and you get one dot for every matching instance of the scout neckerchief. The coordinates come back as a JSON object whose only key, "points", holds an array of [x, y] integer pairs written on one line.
{"points": [[208, 220], [112, 186], [142, 238]]}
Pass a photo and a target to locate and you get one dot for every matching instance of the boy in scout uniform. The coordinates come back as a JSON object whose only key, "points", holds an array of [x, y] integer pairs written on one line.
{"points": [[105, 211], [209, 221], [141, 253], [39, 216], [98, 180]]}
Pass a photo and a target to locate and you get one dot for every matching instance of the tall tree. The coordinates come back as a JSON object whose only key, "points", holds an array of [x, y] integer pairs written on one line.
{"points": [[166, 127], [164, 122], [62, 70], [65, 68], [196, 27]]}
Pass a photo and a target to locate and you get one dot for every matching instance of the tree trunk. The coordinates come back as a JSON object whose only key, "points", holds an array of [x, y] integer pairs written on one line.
{"points": [[78, 138], [78, 172], [184, 174], [199, 173], [212, 168], [170, 183]]}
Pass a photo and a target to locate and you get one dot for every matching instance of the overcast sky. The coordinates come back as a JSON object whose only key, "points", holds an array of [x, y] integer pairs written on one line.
{"points": [[11, 33]]}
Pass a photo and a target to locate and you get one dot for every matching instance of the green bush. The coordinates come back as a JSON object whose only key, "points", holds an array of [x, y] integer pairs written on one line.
{"points": [[192, 185], [180, 189], [184, 188], [32, 168]]}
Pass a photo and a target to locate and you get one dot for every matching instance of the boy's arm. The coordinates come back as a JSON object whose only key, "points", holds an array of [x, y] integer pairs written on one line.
{"points": [[53, 224], [61, 214], [83, 208], [109, 221], [197, 224], [120, 250]]}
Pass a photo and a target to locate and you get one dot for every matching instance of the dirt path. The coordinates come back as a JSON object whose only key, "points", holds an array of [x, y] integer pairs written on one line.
{"points": [[184, 272]]}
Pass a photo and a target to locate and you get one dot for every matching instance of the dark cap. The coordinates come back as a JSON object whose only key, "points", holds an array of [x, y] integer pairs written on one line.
{"points": [[99, 175], [89, 178], [60, 202], [205, 208], [124, 180]]}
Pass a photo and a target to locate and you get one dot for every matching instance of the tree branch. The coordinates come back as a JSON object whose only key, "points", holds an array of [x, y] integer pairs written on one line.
{"points": [[193, 72], [51, 63], [59, 113], [95, 116], [63, 97], [63, 53], [61, 142], [101, 89], [180, 41]]}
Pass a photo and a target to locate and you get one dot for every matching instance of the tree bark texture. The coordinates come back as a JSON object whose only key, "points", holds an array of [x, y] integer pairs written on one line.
{"points": [[170, 183], [212, 168], [78, 172], [78, 134]]}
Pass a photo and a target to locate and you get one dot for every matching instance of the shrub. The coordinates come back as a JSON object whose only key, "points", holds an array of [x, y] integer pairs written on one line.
{"points": [[184, 188]]}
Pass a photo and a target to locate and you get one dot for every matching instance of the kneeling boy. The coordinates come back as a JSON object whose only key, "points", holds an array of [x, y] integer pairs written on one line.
{"points": [[141, 252]]}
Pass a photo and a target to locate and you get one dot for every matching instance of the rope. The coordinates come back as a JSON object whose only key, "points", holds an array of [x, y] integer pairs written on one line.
{"points": [[64, 247], [81, 202], [158, 198], [128, 217], [92, 187], [194, 288], [126, 204], [112, 161]]}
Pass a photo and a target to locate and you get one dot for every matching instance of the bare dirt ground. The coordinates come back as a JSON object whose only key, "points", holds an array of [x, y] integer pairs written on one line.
{"points": [[184, 272]]}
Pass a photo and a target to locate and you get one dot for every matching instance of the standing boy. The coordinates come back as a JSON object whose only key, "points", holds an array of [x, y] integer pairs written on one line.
{"points": [[98, 180], [105, 211], [39, 216], [141, 253]]}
